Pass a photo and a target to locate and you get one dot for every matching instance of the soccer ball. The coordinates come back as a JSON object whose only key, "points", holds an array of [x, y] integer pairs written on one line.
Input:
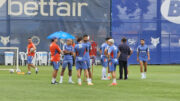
{"points": [[11, 71], [31, 49], [18, 70]]}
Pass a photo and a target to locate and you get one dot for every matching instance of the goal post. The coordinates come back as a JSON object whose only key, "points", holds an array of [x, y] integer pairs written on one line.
{"points": [[16, 50]]}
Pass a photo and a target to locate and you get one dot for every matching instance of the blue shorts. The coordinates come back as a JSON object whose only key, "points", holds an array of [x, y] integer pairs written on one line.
{"points": [[67, 62], [81, 65], [104, 61], [29, 59], [143, 59], [88, 63], [56, 65], [112, 65]]}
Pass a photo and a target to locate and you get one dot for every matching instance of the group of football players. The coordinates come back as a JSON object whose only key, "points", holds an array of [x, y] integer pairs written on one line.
{"points": [[111, 56]]}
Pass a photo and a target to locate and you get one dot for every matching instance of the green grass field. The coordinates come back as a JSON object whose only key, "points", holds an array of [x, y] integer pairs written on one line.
{"points": [[162, 84]]}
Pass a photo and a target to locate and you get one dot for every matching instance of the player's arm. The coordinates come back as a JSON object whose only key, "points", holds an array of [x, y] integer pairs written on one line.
{"points": [[106, 51], [90, 49], [34, 47], [109, 53], [130, 52], [74, 52], [138, 54], [59, 50], [100, 50], [148, 53], [65, 51], [119, 53]]}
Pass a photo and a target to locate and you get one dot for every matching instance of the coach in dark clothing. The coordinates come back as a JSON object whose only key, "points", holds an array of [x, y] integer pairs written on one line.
{"points": [[125, 53]]}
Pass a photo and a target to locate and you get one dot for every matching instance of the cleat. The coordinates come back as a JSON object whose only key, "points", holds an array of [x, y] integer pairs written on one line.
{"points": [[71, 82], [28, 73], [60, 82], [109, 78], [143, 77], [113, 84], [120, 79], [90, 84], [37, 71], [79, 84], [55, 83], [125, 78], [104, 79]]}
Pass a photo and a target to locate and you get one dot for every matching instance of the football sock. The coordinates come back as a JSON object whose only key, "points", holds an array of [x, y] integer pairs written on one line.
{"points": [[114, 80], [109, 74], [61, 78], [70, 78], [53, 80], [88, 80], [103, 72], [145, 74], [79, 80], [36, 69]]}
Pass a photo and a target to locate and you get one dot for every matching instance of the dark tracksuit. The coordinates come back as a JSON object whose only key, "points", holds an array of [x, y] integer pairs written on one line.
{"points": [[125, 52]]}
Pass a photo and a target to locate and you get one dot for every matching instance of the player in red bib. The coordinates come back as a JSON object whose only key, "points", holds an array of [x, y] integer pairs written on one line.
{"points": [[31, 48], [55, 58]]}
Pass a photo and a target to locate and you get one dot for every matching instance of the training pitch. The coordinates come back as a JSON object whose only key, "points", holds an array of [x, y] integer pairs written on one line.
{"points": [[162, 84]]}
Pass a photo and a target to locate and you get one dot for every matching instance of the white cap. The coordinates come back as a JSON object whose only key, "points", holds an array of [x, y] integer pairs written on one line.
{"points": [[111, 40]]}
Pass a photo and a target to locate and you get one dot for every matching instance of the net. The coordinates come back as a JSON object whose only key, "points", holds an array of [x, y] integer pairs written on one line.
{"points": [[9, 58]]}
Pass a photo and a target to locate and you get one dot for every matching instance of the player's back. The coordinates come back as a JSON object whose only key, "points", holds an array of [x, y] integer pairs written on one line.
{"points": [[113, 50], [80, 50], [88, 45], [55, 52], [103, 47]]}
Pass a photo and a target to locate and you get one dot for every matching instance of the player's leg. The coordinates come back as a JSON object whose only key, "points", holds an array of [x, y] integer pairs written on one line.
{"points": [[85, 67], [89, 69], [64, 64], [87, 75], [78, 68], [30, 64], [112, 68], [141, 69], [125, 70], [70, 64], [54, 74], [79, 77], [145, 68], [120, 70], [36, 69], [104, 66], [114, 78], [109, 72], [90, 73], [62, 75]]}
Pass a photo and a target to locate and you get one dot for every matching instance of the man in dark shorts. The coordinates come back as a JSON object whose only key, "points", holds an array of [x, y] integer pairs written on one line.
{"points": [[125, 53]]}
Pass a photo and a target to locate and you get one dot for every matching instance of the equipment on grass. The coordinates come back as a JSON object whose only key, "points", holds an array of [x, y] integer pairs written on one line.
{"points": [[11, 71]]}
